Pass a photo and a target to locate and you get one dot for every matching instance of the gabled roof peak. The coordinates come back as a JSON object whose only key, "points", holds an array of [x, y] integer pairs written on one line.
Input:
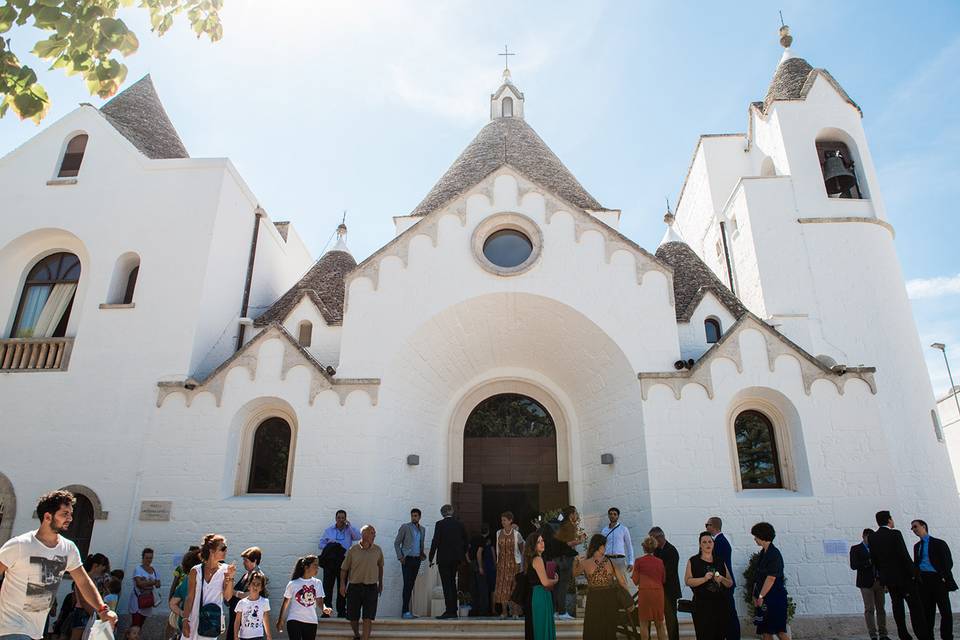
{"points": [[137, 113]]}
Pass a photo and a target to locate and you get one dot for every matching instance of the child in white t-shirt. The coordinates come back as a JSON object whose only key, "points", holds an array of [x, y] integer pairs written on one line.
{"points": [[253, 612]]}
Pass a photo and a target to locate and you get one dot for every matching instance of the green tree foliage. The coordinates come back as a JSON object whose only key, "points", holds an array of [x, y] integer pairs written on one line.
{"points": [[86, 38], [509, 415]]}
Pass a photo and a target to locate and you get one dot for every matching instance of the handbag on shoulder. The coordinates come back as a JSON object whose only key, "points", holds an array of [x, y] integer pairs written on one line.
{"points": [[210, 623]]}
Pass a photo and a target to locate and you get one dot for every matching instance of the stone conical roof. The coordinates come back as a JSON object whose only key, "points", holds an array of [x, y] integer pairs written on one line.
{"points": [[136, 112], [788, 81], [507, 141], [323, 283], [692, 279]]}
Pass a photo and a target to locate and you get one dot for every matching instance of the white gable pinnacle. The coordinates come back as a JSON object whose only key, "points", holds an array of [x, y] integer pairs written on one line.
{"points": [[507, 101]]}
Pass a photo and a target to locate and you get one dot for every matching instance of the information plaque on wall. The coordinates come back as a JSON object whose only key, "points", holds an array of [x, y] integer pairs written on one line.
{"points": [[155, 510], [835, 547]]}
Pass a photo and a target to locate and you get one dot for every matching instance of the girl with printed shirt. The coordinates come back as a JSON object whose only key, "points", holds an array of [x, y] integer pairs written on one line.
{"points": [[300, 600], [253, 612]]}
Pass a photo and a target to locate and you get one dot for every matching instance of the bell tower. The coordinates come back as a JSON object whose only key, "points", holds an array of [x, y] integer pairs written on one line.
{"points": [[791, 214], [507, 101]]}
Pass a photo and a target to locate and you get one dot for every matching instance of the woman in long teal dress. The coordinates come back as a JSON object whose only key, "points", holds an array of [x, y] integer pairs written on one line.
{"points": [[538, 619], [769, 592]]}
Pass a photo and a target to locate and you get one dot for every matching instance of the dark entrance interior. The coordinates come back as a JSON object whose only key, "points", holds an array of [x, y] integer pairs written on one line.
{"points": [[522, 499], [509, 464]]}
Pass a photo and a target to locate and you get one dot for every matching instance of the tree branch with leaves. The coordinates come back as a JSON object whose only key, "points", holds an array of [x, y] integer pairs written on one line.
{"points": [[86, 38]]}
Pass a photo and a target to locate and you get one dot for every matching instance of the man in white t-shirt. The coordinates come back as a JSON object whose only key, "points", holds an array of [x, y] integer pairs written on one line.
{"points": [[33, 566]]}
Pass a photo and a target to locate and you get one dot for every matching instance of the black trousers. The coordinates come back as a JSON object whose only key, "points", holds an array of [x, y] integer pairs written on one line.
{"points": [[297, 630], [448, 579], [934, 595], [331, 583], [670, 616], [409, 569], [911, 595]]}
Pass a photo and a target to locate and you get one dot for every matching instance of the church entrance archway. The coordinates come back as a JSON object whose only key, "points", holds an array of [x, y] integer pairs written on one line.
{"points": [[509, 463]]}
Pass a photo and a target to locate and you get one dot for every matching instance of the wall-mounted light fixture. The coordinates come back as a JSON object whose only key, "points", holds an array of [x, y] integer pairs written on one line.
{"points": [[606, 458]]}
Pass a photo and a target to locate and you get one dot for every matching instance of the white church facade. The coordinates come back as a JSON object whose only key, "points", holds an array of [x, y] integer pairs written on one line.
{"points": [[508, 348]]}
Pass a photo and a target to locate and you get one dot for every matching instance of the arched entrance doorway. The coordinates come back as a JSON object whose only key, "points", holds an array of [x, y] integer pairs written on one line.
{"points": [[509, 463]]}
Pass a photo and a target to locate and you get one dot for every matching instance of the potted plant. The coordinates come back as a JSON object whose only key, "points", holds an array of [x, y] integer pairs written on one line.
{"points": [[749, 578]]}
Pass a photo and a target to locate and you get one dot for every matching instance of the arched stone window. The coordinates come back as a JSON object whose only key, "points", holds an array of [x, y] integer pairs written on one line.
{"points": [[81, 528], [270, 457], [507, 107], [123, 283], [711, 327], [8, 508], [47, 297], [305, 337], [757, 451], [840, 165], [73, 156]]}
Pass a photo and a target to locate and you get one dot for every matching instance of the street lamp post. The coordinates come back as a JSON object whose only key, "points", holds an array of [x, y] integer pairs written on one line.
{"points": [[943, 348]]}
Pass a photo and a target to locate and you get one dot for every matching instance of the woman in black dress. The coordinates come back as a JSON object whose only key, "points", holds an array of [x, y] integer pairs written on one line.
{"points": [[769, 593], [710, 579]]}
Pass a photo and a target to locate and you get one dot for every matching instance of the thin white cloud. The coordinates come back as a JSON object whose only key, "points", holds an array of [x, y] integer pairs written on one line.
{"points": [[933, 287]]}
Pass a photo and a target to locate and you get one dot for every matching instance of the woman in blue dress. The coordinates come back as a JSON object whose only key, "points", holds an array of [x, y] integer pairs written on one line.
{"points": [[770, 595]]}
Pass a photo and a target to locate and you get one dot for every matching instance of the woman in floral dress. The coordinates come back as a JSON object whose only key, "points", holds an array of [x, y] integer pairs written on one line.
{"points": [[509, 548]]}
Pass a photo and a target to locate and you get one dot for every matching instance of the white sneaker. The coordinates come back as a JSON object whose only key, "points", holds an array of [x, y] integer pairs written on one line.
{"points": [[565, 616]]}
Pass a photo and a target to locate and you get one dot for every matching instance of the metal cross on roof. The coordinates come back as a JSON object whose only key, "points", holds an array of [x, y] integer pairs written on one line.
{"points": [[506, 59]]}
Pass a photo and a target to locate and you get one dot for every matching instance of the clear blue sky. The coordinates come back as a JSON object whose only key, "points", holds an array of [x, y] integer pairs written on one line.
{"points": [[362, 106]]}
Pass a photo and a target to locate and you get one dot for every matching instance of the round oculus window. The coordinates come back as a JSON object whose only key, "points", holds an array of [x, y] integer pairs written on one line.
{"points": [[507, 248]]}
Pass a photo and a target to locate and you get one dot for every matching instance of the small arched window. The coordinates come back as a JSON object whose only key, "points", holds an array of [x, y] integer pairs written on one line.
{"points": [[270, 457], [767, 168], [81, 528], [306, 333], [131, 285], [508, 107], [757, 451], [47, 297], [73, 156], [711, 327]]}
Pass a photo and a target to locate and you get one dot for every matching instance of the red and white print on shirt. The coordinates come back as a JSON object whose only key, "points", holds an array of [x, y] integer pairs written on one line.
{"points": [[306, 596]]}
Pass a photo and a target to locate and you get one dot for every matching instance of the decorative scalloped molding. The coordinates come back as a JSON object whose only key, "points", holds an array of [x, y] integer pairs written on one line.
{"points": [[429, 226], [777, 345], [293, 355]]}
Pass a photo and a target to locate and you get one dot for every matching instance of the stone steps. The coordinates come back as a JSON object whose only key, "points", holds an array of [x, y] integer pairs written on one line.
{"points": [[463, 629]]}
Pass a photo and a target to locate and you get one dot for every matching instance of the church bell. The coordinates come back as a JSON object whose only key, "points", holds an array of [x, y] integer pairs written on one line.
{"points": [[837, 176]]}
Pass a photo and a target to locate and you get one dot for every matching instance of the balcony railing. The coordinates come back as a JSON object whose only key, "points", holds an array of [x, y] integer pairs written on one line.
{"points": [[35, 354]]}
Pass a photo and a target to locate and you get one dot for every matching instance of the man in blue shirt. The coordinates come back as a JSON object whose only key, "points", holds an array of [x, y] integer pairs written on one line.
{"points": [[410, 552], [336, 540], [932, 557]]}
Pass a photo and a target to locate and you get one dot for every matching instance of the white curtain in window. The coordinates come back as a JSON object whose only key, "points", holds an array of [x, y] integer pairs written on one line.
{"points": [[32, 307], [53, 310]]}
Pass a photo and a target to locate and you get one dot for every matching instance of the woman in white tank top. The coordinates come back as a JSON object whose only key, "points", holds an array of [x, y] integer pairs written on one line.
{"points": [[211, 582]]}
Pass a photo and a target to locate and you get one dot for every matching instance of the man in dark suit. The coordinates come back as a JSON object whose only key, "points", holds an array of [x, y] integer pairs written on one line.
{"points": [[874, 600], [932, 557], [724, 552], [897, 573], [671, 589], [449, 547]]}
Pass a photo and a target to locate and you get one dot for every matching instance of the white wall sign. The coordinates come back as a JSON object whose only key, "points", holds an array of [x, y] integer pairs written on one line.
{"points": [[835, 547]]}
